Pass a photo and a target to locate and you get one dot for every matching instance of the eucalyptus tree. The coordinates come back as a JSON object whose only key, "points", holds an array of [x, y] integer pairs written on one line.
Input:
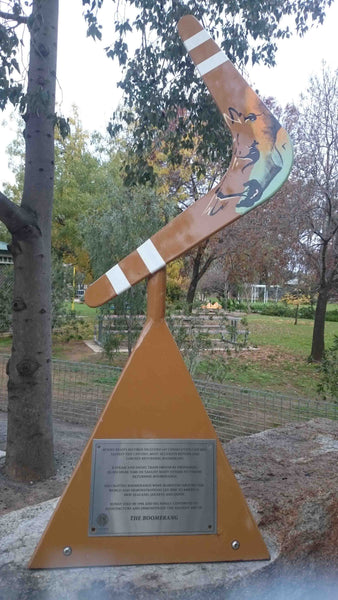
{"points": [[158, 79], [162, 91], [30, 438]]}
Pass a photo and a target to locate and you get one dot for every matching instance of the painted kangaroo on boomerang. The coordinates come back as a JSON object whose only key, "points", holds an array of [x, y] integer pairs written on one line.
{"points": [[260, 161]]}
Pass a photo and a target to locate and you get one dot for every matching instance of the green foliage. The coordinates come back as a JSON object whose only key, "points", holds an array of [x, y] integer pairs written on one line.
{"points": [[232, 304], [280, 309], [216, 368], [127, 218], [332, 315], [328, 387], [276, 309], [130, 217], [306, 312], [79, 181], [111, 343], [162, 90], [61, 290], [73, 328], [86, 169], [191, 340], [10, 89], [119, 320], [174, 292]]}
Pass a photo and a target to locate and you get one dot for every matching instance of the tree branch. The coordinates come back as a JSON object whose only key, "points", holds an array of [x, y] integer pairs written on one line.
{"points": [[320, 235], [11, 17], [17, 220]]}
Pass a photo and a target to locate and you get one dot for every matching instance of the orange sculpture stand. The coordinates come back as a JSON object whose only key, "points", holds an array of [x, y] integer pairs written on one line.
{"points": [[154, 399]]}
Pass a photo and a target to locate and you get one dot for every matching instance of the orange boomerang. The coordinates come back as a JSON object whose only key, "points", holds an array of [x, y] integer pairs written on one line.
{"points": [[261, 162]]}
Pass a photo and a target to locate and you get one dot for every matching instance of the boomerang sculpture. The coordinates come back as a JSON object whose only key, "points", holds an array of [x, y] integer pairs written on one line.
{"points": [[261, 161], [122, 508]]}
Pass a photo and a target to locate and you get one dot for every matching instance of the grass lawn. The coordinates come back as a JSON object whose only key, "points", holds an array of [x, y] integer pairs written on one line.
{"points": [[276, 360], [81, 309], [5, 345], [281, 333]]}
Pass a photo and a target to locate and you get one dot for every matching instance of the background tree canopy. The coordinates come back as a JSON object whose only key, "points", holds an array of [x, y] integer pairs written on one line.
{"points": [[162, 92]]}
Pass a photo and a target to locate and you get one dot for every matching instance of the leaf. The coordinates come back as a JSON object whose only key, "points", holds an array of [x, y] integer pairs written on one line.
{"points": [[15, 64]]}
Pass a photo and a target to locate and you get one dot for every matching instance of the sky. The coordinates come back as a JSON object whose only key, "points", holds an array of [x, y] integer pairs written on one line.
{"points": [[87, 78]]}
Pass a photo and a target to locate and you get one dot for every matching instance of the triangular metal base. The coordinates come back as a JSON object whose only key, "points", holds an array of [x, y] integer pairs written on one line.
{"points": [[155, 398]]}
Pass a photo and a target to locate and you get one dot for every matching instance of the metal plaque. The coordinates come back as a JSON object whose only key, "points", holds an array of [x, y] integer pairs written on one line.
{"points": [[153, 487]]}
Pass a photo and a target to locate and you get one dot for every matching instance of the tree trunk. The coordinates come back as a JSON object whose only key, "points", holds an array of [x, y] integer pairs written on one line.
{"points": [[30, 454], [317, 349], [198, 271], [192, 290]]}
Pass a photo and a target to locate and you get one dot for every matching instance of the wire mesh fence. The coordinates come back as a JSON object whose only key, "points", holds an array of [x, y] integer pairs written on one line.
{"points": [[238, 411], [81, 390]]}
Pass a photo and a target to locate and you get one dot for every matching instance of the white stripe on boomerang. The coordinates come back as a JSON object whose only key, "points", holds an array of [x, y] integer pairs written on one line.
{"points": [[151, 256], [118, 279], [197, 39], [211, 63]]}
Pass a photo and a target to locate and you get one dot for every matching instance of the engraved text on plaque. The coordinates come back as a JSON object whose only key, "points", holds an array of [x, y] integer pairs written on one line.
{"points": [[153, 487]]}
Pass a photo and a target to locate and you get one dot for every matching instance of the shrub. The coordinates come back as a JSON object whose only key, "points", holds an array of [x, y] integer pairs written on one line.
{"points": [[190, 339], [232, 304], [332, 315], [272, 309], [74, 328], [214, 368], [306, 312], [279, 309], [174, 291]]}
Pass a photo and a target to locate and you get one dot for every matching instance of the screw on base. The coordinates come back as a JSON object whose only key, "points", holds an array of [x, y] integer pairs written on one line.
{"points": [[67, 550], [235, 544]]}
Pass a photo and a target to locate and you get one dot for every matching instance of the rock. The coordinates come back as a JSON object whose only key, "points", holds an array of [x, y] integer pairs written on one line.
{"points": [[289, 478], [291, 474]]}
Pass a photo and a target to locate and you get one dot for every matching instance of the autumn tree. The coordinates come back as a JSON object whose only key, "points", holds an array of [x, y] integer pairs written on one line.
{"points": [[314, 181], [77, 187], [259, 248], [183, 183]]}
